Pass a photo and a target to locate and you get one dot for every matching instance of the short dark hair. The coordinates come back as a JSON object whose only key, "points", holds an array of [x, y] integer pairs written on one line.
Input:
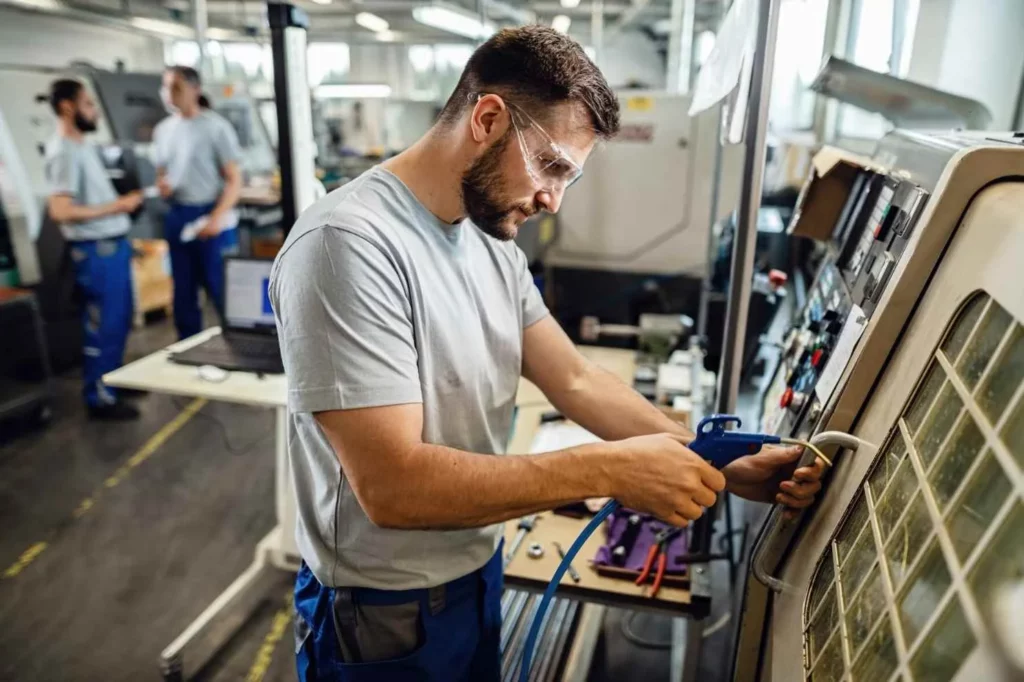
{"points": [[187, 73], [536, 66], [63, 90]]}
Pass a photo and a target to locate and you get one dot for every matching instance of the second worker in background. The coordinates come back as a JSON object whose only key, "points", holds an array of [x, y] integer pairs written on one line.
{"points": [[197, 155]]}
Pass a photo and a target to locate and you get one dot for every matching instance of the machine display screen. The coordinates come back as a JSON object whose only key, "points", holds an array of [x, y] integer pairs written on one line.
{"points": [[132, 104]]}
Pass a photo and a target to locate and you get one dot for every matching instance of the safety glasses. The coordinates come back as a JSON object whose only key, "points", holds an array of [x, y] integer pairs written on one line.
{"points": [[548, 165]]}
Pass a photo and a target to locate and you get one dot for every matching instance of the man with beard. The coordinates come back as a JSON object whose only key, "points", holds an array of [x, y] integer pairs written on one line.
{"points": [[406, 316], [94, 219]]}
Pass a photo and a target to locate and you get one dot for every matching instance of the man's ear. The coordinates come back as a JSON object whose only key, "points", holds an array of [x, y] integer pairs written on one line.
{"points": [[488, 119]]}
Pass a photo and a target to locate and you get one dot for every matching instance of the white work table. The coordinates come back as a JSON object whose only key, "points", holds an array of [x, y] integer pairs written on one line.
{"points": [[277, 550], [156, 373]]}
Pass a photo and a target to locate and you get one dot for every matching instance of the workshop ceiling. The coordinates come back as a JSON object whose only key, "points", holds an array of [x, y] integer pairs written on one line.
{"points": [[335, 19]]}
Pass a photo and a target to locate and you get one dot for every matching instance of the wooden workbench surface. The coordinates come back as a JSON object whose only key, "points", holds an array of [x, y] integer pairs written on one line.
{"points": [[535, 574]]}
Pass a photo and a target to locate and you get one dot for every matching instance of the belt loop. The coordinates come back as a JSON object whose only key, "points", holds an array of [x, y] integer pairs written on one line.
{"points": [[436, 598]]}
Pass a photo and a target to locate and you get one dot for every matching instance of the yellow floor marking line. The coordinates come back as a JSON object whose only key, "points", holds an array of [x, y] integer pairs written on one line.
{"points": [[25, 559], [264, 655], [83, 508]]}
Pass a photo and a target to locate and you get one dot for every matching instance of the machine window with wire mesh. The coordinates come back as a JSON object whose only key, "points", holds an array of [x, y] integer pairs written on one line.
{"points": [[903, 589]]}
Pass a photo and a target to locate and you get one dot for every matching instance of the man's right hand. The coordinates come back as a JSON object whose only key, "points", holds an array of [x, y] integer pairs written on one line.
{"points": [[127, 203], [659, 475], [164, 187]]}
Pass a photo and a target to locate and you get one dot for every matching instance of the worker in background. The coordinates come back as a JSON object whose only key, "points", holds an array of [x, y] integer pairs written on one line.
{"points": [[406, 315], [94, 220], [197, 155]]}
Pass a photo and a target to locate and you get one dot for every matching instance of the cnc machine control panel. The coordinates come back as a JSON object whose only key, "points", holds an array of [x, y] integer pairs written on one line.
{"points": [[877, 219]]}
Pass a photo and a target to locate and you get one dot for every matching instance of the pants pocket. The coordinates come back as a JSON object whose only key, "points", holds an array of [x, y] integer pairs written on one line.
{"points": [[369, 633]]}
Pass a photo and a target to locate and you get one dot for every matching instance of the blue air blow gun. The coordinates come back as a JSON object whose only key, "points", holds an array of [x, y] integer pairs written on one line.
{"points": [[716, 445]]}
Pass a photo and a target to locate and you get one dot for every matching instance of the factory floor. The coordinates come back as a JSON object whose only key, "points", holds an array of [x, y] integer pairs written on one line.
{"points": [[116, 536]]}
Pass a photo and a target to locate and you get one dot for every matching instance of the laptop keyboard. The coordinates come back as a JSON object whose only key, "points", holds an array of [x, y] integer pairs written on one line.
{"points": [[254, 347]]}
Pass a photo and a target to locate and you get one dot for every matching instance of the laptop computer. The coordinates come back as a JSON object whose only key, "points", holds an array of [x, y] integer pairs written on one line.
{"points": [[248, 341]]}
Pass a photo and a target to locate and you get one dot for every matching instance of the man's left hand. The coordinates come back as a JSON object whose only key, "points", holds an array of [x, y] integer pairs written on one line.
{"points": [[212, 229], [761, 477]]}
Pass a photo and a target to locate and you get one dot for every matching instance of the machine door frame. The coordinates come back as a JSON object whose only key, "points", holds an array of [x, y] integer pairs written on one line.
{"points": [[985, 255]]}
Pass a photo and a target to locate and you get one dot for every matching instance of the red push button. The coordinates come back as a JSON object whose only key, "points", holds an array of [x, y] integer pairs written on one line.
{"points": [[787, 398], [816, 358]]}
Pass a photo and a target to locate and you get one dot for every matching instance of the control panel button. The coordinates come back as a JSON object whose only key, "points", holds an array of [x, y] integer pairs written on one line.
{"points": [[816, 357], [787, 398], [777, 277]]}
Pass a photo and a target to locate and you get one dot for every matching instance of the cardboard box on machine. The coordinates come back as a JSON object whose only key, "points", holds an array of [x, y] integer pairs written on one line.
{"points": [[824, 192]]}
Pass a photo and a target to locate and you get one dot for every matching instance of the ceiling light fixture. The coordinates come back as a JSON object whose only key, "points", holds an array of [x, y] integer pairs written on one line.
{"points": [[352, 91], [371, 22], [45, 5], [387, 36], [453, 20], [561, 23], [570, 4], [222, 34], [322, 2], [169, 28]]}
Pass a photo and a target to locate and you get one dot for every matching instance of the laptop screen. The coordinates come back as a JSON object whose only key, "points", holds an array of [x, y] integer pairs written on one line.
{"points": [[246, 299]]}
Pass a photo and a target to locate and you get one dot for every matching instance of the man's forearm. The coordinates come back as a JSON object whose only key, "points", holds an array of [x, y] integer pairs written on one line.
{"points": [[604, 405], [78, 213], [228, 196], [436, 487]]}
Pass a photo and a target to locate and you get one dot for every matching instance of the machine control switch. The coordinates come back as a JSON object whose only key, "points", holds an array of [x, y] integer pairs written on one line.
{"points": [[798, 400]]}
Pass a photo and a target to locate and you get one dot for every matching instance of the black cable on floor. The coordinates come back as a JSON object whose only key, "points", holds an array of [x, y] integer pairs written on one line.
{"points": [[234, 450]]}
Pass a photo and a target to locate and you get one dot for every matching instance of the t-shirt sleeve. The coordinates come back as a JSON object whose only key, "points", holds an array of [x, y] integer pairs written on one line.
{"points": [[345, 324], [534, 309], [62, 173], [225, 143]]}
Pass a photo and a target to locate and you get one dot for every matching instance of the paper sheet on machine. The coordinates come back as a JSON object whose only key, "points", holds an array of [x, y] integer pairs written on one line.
{"points": [[852, 330], [734, 45]]}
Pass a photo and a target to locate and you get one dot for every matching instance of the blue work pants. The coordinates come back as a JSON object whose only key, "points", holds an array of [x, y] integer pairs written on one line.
{"points": [[103, 275], [195, 263], [453, 631]]}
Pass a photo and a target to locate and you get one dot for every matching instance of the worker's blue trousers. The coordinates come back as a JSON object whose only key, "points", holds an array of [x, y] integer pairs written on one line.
{"points": [[103, 273], [195, 263], [453, 632]]}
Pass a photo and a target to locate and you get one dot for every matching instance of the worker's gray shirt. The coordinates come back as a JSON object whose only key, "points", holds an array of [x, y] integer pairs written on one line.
{"points": [[380, 303], [192, 152], [75, 168]]}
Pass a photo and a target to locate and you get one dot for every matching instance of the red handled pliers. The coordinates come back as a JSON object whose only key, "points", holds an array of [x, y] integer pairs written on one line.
{"points": [[659, 552]]}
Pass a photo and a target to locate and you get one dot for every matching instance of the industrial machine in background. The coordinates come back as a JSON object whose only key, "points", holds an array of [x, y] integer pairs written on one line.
{"points": [[632, 236], [911, 339]]}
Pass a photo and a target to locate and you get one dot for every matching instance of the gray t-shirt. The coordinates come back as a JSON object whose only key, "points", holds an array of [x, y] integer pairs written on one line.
{"points": [[192, 152], [74, 168], [380, 303]]}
